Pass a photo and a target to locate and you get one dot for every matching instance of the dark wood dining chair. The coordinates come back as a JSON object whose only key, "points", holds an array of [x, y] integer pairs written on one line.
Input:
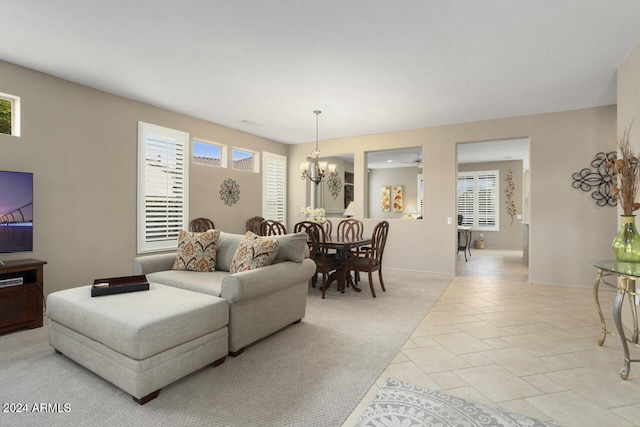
{"points": [[328, 229], [325, 262], [253, 224], [350, 229], [370, 259], [270, 227], [200, 225]]}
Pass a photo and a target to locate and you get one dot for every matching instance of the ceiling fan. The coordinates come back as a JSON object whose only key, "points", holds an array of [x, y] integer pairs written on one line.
{"points": [[417, 161]]}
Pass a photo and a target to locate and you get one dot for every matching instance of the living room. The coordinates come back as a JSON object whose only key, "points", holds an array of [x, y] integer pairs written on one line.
{"points": [[81, 144]]}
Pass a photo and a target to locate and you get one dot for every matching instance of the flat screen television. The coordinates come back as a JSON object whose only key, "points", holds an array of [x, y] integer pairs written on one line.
{"points": [[16, 212]]}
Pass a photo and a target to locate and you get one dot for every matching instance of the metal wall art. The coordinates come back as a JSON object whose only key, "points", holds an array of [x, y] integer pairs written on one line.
{"points": [[598, 180], [509, 192], [229, 192], [335, 185]]}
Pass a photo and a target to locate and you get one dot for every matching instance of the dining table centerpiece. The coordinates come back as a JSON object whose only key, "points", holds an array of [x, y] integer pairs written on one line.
{"points": [[314, 215], [626, 186]]}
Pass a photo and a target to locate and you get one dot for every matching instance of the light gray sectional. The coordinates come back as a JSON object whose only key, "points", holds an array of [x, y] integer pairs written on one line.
{"points": [[142, 341], [261, 301], [139, 341]]}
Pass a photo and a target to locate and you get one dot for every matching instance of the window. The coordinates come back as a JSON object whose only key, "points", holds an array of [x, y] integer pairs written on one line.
{"points": [[9, 114], [274, 187], [209, 153], [162, 187], [478, 199], [245, 160]]}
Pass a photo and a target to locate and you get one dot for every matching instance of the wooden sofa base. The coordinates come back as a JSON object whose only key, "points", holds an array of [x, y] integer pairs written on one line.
{"points": [[149, 397]]}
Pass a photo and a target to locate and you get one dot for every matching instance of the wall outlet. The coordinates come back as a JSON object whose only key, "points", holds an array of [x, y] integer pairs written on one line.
{"points": [[449, 220]]}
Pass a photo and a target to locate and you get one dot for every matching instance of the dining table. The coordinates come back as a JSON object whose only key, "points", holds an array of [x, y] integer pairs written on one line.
{"points": [[343, 247]]}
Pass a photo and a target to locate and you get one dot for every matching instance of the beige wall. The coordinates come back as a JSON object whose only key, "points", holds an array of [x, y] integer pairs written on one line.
{"points": [[510, 234], [567, 228], [81, 145], [629, 110], [629, 95]]}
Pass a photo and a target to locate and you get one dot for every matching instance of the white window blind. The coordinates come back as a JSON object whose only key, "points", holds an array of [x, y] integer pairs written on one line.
{"points": [[477, 199], [274, 187], [162, 186]]}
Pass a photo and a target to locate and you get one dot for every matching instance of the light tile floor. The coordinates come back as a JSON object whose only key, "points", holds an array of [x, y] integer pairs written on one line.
{"points": [[532, 349]]}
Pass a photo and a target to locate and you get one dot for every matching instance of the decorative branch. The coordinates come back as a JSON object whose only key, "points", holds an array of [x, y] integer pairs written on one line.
{"points": [[510, 190]]}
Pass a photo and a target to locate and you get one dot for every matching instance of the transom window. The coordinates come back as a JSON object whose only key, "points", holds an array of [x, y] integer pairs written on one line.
{"points": [[245, 160], [9, 114], [209, 153], [477, 200]]}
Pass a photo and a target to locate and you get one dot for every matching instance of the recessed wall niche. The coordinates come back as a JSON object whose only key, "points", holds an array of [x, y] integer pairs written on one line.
{"points": [[400, 167]]}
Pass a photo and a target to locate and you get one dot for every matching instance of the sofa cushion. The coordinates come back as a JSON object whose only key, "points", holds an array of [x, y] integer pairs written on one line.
{"points": [[253, 252], [139, 324], [207, 283], [227, 245], [197, 251], [291, 247]]}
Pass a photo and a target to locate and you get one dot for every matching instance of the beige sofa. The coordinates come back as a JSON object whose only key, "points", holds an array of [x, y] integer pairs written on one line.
{"points": [[261, 301]]}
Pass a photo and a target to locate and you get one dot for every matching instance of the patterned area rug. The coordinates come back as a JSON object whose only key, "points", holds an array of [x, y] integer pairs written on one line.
{"points": [[400, 404]]}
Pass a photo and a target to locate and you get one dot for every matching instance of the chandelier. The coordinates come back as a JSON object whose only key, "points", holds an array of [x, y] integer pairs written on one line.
{"points": [[315, 171]]}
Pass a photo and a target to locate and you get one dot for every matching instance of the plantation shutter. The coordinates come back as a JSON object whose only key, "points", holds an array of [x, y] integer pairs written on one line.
{"points": [[477, 199], [274, 187], [162, 187], [465, 205], [487, 193]]}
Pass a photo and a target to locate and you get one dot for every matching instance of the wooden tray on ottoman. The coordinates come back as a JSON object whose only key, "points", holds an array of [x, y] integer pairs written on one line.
{"points": [[118, 285]]}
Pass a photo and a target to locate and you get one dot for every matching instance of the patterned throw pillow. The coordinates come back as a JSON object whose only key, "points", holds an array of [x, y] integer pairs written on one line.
{"points": [[197, 251], [253, 252]]}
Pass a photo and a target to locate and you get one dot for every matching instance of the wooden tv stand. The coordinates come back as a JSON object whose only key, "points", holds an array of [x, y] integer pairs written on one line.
{"points": [[21, 305]]}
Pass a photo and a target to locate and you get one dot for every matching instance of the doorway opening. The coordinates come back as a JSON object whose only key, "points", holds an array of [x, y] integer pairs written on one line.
{"points": [[493, 196]]}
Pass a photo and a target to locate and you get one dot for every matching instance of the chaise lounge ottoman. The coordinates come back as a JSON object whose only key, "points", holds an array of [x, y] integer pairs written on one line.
{"points": [[140, 341]]}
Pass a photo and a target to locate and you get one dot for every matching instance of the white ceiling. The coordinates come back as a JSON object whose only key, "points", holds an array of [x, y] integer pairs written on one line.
{"points": [[371, 66]]}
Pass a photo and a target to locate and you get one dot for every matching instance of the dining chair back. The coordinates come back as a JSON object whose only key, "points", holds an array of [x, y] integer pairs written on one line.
{"points": [[369, 259], [328, 229], [270, 227], [200, 225], [325, 263], [253, 224], [350, 229]]}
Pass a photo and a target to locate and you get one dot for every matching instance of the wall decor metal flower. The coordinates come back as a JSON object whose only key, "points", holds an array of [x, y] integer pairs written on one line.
{"points": [[335, 185], [510, 190], [600, 180], [229, 192]]}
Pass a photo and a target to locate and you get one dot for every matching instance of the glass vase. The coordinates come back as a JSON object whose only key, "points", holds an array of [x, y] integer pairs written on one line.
{"points": [[626, 245]]}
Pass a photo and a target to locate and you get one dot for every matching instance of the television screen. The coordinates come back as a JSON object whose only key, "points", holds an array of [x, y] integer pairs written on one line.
{"points": [[16, 212]]}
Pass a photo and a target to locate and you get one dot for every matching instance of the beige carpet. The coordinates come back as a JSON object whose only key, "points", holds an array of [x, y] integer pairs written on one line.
{"points": [[310, 374]]}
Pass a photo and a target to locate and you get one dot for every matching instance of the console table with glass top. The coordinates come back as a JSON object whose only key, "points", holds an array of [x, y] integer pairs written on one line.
{"points": [[626, 274]]}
